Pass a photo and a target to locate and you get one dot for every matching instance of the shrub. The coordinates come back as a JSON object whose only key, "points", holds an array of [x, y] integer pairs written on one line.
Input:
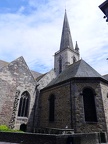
{"points": [[4, 128]]}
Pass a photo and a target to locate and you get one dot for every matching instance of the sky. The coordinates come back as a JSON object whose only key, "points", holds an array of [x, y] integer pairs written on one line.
{"points": [[32, 29]]}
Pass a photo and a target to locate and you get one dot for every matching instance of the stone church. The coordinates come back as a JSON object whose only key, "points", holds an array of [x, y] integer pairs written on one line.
{"points": [[72, 95]]}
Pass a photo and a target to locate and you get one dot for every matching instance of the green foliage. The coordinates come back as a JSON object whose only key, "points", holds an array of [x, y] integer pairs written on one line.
{"points": [[4, 128]]}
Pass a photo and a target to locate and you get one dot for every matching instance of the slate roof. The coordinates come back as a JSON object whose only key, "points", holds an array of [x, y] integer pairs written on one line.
{"points": [[41, 76], [106, 76], [35, 74], [79, 69], [104, 6], [66, 39]]}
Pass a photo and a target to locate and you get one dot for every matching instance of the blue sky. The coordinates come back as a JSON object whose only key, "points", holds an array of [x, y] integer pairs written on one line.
{"points": [[32, 29], [11, 6]]}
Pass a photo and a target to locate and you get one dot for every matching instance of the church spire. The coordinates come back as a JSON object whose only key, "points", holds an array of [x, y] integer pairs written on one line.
{"points": [[66, 40], [67, 55], [76, 47]]}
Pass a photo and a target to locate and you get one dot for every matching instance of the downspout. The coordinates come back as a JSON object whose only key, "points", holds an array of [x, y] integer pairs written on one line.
{"points": [[71, 104]]}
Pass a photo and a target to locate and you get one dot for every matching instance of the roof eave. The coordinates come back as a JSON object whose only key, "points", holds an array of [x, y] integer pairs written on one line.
{"points": [[76, 78]]}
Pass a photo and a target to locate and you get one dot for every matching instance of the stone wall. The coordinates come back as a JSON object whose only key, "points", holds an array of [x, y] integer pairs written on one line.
{"points": [[69, 106], [42, 82], [62, 107], [15, 77], [80, 125], [67, 56], [24, 82], [104, 90], [46, 79], [29, 138], [7, 95]]}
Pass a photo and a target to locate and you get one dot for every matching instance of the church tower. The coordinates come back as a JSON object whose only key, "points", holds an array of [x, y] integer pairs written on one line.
{"points": [[67, 54]]}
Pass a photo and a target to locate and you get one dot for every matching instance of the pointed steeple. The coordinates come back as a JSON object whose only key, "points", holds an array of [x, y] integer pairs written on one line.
{"points": [[76, 47], [67, 55], [66, 40]]}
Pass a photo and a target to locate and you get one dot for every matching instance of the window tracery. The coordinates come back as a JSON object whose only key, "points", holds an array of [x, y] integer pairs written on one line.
{"points": [[24, 104]]}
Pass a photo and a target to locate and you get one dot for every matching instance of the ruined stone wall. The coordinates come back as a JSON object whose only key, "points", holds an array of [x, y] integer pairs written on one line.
{"points": [[62, 107]]}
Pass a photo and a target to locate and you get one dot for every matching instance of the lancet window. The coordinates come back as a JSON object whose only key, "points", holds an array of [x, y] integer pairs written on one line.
{"points": [[24, 104]]}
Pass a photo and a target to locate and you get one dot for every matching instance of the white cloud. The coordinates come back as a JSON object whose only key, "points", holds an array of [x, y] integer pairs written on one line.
{"points": [[37, 36]]}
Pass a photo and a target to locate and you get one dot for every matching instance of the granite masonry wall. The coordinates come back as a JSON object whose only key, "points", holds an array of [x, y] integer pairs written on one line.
{"points": [[104, 90], [42, 82], [79, 123], [15, 79], [62, 107], [69, 106], [7, 95]]}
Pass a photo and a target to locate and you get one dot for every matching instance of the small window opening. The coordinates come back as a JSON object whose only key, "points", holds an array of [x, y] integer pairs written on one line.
{"points": [[89, 105], [60, 64]]}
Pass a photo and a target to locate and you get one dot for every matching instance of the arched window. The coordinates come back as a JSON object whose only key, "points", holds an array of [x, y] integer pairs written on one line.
{"points": [[51, 108], [60, 64], [89, 105], [24, 104]]}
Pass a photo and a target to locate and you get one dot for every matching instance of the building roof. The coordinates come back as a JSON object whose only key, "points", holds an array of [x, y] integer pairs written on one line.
{"points": [[79, 69], [41, 76], [35, 74], [104, 6], [106, 76], [66, 39]]}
